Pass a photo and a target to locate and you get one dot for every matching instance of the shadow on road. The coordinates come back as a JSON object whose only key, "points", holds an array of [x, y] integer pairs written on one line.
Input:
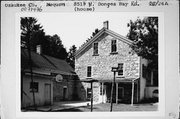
{"points": [[76, 109]]}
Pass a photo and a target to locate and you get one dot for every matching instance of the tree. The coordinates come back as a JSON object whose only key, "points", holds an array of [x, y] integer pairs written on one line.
{"points": [[54, 47], [30, 30], [144, 33], [34, 33], [71, 56], [29, 26], [93, 34]]}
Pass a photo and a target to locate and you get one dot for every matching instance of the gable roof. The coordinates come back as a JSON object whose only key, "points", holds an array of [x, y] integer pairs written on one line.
{"points": [[45, 63], [101, 32]]}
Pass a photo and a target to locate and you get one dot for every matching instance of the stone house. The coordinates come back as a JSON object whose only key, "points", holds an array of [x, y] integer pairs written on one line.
{"points": [[94, 61], [53, 79]]}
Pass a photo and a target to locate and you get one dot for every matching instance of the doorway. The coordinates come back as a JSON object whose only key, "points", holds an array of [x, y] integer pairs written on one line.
{"points": [[64, 93], [47, 94], [120, 94]]}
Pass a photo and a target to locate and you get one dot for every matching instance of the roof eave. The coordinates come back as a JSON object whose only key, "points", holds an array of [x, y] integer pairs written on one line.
{"points": [[118, 36], [103, 30], [89, 42]]}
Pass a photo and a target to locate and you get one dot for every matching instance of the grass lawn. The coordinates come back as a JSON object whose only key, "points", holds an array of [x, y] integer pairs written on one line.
{"points": [[116, 107]]}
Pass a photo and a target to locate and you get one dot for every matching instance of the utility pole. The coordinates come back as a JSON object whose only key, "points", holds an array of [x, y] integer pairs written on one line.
{"points": [[91, 96], [30, 67], [114, 69]]}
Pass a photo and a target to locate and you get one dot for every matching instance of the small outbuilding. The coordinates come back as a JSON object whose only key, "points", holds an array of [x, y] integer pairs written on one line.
{"points": [[44, 79]]}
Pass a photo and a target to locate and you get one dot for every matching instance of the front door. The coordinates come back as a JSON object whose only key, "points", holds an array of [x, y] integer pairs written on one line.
{"points": [[64, 93], [120, 93], [47, 94]]}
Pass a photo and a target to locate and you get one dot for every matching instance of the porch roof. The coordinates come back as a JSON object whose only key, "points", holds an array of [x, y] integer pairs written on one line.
{"points": [[122, 80], [89, 80], [118, 80]]}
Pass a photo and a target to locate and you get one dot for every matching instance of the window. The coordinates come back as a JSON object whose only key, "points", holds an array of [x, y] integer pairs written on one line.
{"points": [[144, 71], [95, 49], [34, 85], [89, 71], [113, 46], [120, 69]]}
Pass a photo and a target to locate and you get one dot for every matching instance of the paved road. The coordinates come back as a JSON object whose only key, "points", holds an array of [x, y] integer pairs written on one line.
{"points": [[74, 106]]}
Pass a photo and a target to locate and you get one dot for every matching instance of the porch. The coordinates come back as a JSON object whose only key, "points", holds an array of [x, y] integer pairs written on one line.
{"points": [[124, 91]]}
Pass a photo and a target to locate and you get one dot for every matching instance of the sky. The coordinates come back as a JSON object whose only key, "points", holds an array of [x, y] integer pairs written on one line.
{"points": [[76, 28]]}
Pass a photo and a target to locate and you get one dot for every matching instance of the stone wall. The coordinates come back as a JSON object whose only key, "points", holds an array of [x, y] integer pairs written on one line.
{"points": [[58, 89], [102, 64], [83, 91]]}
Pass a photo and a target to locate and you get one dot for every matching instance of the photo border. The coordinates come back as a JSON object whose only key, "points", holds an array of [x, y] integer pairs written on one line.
{"points": [[161, 64], [10, 56]]}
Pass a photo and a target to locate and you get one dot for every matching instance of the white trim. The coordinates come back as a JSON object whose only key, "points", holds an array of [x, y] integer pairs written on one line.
{"points": [[84, 46], [64, 86], [103, 30], [118, 36]]}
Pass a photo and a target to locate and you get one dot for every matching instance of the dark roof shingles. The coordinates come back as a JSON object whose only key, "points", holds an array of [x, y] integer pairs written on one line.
{"points": [[44, 62]]}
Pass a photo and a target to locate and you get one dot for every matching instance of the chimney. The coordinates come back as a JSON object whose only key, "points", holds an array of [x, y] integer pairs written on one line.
{"points": [[38, 49], [106, 24]]}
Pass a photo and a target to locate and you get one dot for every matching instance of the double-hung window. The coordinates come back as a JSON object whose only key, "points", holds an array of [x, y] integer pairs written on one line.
{"points": [[95, 49], [113, 46], [89, 71], [34, 86], [120, 69]]}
